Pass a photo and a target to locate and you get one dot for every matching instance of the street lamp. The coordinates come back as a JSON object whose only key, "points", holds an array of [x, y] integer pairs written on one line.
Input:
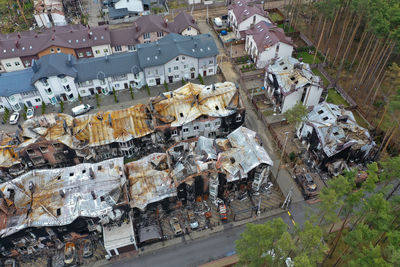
{"points": [[283, 152]]}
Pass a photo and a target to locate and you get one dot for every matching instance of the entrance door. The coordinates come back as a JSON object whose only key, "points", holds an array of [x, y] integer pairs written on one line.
{"points": [[204, 73], [170, 79], [126, 85], [63, 97], [29, 104], [192, 75], [98, 90], [91, 90], [158, 81]]}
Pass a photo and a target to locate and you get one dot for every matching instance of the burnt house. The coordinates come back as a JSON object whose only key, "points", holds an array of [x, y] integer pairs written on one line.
{"points": [[196, 110], [11, 164], [332, 135], [44, 208]]}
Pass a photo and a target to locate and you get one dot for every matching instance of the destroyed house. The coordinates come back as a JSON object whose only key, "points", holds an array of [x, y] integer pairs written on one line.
{"points": [[332, 133], [289, 81], [196, 110], [44, 208], [10, 162]]}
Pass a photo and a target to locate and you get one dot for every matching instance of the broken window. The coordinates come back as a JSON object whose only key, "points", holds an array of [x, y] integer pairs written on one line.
{"points": [[335, 133], [83, 171], [71, 174], [58, 212], [99, 168], [238, 118], [185, 130], [216, 108], [320, 112], [325, 118], [175, 132], [181, 114], [30, 152], [44, 149], [195, 127]]}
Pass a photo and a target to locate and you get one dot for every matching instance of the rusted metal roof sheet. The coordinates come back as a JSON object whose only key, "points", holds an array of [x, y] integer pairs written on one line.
{"points": [[8, 155], [98, 129], [191, 101], [149, 180], [59, 196]]}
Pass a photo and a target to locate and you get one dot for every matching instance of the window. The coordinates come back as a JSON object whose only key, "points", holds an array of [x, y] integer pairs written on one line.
{"points": [[38, 100], [44, 149], [12, 98], [118, 48], [17, 63], [1, 106], [177, 59], [238, 118], [58, 212], [185, 66], [102, 82], [169, 70], [189, 28], [48, 91], [185, 130], [44, 82], [211, 62], [97, 52], [183, 58], [51, 50], [131, 48], [196, 128], [210, 70], [176, 68], [156, 71], [67, 88], [176, 76], [207, 125], [175, 132], [80, 54], [88, 53], [83, 91], [320, 112], [8, 64], [58, 50], [160, 34], [105, 51], [217, 123], [146, 36], [325, 118]]}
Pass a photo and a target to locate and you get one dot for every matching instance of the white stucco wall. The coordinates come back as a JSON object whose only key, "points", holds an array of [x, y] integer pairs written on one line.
{"points": [[131, 5], [245, 25], [313, 96], [12, 64], [101, 50], [190, 31], [57, 89], [42, 20]]}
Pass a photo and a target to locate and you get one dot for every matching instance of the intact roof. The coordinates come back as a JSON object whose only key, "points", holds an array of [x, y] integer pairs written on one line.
{"points": [[244, 10], [150, 23], [16, 82], [182, 21], [149, 180], [336, 128], [114, 13], [62, 195], [266, 34], [191, 101], [74, 36], [173, 45], [124, 36], [292, 74], [101, 67], [53, 65]]}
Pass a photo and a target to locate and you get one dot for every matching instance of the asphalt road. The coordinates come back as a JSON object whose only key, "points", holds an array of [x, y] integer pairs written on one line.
{"points": [[200, 251]]}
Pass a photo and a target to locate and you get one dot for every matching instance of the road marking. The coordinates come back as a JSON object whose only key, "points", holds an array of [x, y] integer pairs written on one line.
{"points": [[291, 218]]}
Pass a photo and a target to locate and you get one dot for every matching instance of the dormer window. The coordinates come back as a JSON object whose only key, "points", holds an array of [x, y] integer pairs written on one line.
{"points": [[44, 82]]}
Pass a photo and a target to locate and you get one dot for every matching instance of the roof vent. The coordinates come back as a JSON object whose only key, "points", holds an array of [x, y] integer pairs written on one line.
{"points": [[69, 62], [159, 50], [137, 27]]}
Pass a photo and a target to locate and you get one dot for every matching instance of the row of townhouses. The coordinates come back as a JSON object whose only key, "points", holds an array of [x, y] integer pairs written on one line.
{"points": [[17, 50], [62, 77], [107, 198], [56, 140]]}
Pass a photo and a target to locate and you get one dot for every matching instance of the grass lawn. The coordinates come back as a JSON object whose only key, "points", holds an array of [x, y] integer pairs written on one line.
{"points": [[307, 58], [286, 28], [325, 80], [267, 113], [335, 98], [275, 17]]}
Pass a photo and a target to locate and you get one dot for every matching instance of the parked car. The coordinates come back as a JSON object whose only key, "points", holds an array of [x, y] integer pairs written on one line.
{"points": [[69, 253], [176, 227], [29, 113], [87, 248], [308, 185], [14, 117], [194, 224], [218, 22], [81, 109]]}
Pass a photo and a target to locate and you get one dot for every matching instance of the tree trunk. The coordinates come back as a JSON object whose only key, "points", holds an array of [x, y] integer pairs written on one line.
{"points": [[368, 64], [383, 116], [332, 250], [330, 32], [22, 13], [359, 46], [346, 24], [338, 215], [319, 41], [390, 138]]}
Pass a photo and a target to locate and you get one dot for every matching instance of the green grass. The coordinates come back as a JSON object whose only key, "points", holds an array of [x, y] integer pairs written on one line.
{"points": [[275, 17], [286, 28], [267, 113], [307, 58], [335, 98], [325, 80], [360, 120]]}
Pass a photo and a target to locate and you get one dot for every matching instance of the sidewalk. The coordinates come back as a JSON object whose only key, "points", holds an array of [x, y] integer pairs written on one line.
{"points": [[187, 238]]}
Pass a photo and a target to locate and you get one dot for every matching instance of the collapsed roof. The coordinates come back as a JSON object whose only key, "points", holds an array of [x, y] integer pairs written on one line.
{"points": [[149, 180], [291, 74], [8, 156], [191, 101], [336, 129], [57, 197]]}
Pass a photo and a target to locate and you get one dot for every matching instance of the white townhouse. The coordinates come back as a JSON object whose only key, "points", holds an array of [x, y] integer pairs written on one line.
{"points": [[242, 15], [265, 41], [289, 81]]}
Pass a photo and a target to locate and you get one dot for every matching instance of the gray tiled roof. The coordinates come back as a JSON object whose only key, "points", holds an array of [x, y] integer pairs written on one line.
{"points": [[182, 21], [16, 82], [53, 65], [158, 53], [100, 67]]}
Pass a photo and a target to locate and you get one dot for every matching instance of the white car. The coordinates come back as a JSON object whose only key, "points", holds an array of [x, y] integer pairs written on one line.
{"points": [[14, 117], [29, 113]]}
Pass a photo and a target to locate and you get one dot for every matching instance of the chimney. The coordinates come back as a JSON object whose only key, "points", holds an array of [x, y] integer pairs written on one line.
{"points": [[19, 35], [90, 33], [165, 24], [136, 27], [159, 50], [35, 66], [17, 44]]}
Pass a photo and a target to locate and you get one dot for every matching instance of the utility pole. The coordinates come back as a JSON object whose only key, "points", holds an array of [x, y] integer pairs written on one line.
{"points": [[283, 152], [288, 199]]}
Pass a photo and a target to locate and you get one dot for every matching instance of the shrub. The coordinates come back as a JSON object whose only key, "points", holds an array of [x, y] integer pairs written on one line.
{"points": [[79, 98], [148, 89], [200, 79], [115, 95], [131, 91], [183, 81], [292, 156], [166, 86], [62, 106], [98, 100], [43, 107], [24, 115], [25, 108]]}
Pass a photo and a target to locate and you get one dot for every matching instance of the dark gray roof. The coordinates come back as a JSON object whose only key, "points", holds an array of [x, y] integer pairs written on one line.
{"points": [[101, 67], [119, 13], [16, 82], [182, 21], [53, 65], [158, 53]]}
